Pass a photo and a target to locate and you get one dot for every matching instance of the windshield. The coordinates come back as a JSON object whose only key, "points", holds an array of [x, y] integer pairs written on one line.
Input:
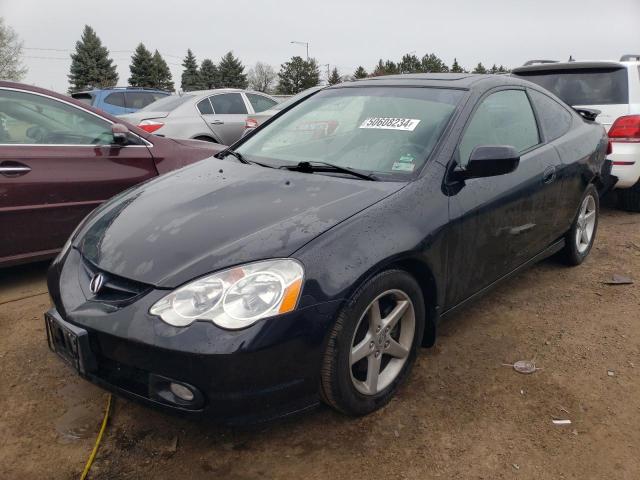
{"points": [[584, 86], [383, 130], [296, 97], [167, 103]]}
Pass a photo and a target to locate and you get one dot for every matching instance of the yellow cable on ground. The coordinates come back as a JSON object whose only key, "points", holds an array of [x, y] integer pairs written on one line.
{"points": [[92, 457]]}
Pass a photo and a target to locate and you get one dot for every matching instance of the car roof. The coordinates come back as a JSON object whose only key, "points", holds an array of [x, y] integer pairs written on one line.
{"points": [[122, 89], [464, 81]]}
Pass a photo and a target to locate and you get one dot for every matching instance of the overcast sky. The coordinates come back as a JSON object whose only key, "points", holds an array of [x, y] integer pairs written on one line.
{"points": [[342, 33]]}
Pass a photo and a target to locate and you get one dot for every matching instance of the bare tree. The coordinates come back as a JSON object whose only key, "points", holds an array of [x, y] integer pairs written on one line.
{"points": [[262, 77], [11, 67]]}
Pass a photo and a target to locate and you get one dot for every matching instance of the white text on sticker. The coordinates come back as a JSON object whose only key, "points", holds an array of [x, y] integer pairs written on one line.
{"points": [[390, 123]]}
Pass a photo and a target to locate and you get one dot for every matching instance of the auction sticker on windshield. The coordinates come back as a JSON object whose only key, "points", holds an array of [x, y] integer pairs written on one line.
{"points": [[390, 123]]}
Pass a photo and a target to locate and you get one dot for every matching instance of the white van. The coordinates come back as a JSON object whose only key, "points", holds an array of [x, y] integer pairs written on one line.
{"points": [[614, 89]]}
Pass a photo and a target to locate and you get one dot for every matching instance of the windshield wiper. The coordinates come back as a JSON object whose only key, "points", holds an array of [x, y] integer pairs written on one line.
{"points": [[318, 166], [240, 157]]}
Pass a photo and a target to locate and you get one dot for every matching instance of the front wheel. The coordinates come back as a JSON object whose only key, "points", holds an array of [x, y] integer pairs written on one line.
{"points": [[581, 235], [373, 343]]}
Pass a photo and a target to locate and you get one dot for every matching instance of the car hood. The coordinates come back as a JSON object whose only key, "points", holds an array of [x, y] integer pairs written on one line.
{"points": [[215, 214]]}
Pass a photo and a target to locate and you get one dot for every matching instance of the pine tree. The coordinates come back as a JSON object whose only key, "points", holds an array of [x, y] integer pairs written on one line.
{"points": [[455, 67], [297, 75], [90, 64], [409, 64], [493, 69], [209, 74], [141, 68], [335, 77], [390, 68], [231, 72], [161, 75], [479, 68], [379, 69], [190, 74], [431, 63], [360, 73], [501, 69]]}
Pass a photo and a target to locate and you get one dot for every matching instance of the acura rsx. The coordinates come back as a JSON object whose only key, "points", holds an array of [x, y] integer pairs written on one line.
{"points": [[312, 260]]}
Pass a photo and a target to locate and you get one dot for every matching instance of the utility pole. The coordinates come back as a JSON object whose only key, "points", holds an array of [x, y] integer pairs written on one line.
{"points": [[306, 44], [328, 74]]}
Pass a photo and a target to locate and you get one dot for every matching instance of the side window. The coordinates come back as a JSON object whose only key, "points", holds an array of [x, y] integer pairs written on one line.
{"points": [[115, 98], [139, 100], [503, 118], [228, 103], [555, 120], [27, 118], [260, 103], [204, 107]]}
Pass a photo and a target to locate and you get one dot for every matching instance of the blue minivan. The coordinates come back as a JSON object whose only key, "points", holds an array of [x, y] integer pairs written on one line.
{"points": [[120, 100]]}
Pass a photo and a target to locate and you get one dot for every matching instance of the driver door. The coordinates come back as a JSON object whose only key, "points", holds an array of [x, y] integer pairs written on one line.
{"points": [[57, 163]]}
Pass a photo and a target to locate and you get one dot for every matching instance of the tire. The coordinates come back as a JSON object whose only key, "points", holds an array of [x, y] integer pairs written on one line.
{"points": [[629, 198], [346, 385], [583, 228], [205, 139]]}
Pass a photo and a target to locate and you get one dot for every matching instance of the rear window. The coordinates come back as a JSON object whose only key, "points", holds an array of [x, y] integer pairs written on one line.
{"points": [[140, 100], [116, 99], [83, 97], [584, 86], [168, 103]]}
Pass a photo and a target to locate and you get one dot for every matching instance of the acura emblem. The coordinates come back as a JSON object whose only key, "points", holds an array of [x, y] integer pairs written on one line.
{"points": [[97, 281]]}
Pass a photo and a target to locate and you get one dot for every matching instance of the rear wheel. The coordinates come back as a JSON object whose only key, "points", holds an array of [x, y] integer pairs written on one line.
{"points": [[373, 343], [580, 238], [205, 139], [629, 198]]}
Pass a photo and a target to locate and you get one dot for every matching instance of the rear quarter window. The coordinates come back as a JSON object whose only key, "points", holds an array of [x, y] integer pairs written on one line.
{"points": [[554, 119], [83, 97], [592, 86], [116, 98]]}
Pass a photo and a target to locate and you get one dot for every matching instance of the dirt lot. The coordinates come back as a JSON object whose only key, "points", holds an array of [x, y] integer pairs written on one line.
{"points": [[462, 414]]}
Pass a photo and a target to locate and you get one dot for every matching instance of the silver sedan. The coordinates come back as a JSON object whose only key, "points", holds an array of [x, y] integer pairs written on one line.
{"points": [[212, 115]]}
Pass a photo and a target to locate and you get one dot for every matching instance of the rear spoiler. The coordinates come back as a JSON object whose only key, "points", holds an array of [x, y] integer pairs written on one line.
{"points": [[588, 113]]}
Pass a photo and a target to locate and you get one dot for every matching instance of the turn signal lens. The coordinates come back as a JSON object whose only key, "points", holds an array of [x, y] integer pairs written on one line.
{"points": [[150, 125], [250, 123]]}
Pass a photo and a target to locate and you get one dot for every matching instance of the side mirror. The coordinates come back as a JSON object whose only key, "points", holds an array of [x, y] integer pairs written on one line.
{"points": [[120, 134], [490, 161]]}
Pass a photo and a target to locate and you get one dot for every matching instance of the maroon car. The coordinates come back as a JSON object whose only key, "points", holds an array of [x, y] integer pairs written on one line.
{"points": [[60, 158]]}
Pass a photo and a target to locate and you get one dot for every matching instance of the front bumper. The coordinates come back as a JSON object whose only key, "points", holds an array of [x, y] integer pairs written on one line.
{"points": [[268, 370]]}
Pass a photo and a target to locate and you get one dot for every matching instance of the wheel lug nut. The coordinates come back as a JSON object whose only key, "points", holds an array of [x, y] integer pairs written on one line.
{"points": [[377, 353], [377, 329], [386, 344], [371, 345]]}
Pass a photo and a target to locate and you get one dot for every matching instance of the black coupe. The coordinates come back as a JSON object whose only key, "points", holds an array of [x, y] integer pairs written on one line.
{"points": [[313, 259]]}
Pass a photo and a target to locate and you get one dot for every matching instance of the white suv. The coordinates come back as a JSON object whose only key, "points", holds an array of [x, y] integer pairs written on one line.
{"points": [[614, 89]]}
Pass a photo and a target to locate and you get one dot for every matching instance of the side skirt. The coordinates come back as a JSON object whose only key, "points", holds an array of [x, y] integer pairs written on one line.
{"points": [[552, 249]]}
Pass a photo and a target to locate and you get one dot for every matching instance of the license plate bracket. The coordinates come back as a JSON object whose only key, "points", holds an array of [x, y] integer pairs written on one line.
{"points": [[69, 342]]}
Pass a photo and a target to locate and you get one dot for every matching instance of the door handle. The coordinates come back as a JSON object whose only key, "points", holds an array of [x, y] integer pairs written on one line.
{"points": [[13, 169], [217, 122], [549, 174]]}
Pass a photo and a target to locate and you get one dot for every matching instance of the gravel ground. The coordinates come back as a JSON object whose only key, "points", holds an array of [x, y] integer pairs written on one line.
{"points": [[462, 414]]}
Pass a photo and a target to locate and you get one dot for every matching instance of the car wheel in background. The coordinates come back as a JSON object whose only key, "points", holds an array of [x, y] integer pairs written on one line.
{"points": [[205, 139], [629, 198], [581, 235], [373, 344]]}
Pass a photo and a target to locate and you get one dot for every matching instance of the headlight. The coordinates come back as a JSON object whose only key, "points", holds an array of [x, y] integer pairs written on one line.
{"points": [[237, 297]]}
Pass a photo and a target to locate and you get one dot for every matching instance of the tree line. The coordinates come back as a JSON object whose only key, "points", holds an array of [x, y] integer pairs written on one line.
{"points": [[92, 67]]}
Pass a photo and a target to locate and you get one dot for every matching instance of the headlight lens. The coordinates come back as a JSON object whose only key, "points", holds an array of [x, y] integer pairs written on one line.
{"points": [[237, 297]]}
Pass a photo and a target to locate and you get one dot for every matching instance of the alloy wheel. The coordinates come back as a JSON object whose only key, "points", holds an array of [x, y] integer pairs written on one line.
{"points": [[382, 342], [586, 224]]}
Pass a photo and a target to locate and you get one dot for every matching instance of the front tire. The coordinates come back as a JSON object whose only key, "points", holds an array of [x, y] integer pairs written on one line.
{"points": [[579, 240], [373, 343]]}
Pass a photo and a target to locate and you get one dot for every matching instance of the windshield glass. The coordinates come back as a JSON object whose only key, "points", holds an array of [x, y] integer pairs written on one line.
{"points": [[167, 103], [296, 97], [584, 86], [385, 130]]}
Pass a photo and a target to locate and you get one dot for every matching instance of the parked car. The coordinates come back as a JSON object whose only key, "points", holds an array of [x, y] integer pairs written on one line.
{"points": [[257, 119], [60, 158], [614, 89], [213, 115], [120, 100], [314, 259]]}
